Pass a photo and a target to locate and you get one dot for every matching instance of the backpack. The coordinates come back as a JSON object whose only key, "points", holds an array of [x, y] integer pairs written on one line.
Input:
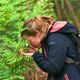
{"points": [[76, 36]]}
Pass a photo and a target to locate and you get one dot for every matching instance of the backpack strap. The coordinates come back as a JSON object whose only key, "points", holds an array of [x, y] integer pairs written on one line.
{"points": [[71, 61]]}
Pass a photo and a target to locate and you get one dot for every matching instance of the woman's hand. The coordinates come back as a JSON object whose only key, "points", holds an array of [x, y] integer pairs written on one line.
{"points": [[30, 51], [25, 54]]}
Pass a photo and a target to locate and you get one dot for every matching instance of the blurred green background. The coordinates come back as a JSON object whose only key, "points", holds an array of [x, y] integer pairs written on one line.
{"points": [[13, 13]]}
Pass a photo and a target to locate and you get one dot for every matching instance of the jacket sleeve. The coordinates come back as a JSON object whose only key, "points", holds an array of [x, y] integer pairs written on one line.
{"points": [[56, 55]]}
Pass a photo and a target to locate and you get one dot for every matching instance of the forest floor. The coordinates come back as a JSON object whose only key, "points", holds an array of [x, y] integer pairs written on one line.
{"points": [[35, 73]]}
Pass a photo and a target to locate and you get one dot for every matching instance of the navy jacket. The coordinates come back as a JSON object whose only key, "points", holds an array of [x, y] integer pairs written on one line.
{"points": [[56, 47]]}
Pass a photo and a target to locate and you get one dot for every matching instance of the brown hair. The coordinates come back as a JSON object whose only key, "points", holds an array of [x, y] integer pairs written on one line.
{"points": [[39, 23]]}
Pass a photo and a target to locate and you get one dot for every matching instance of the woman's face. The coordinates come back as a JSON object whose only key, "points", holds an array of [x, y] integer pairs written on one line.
{"points": [[34, 40]]}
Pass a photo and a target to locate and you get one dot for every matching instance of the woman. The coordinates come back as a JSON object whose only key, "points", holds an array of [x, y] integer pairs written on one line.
{"points": [[59, 51]]}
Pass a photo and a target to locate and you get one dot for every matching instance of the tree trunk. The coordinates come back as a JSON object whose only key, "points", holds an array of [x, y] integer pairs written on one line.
{"points": [[57, 9], [75, 19], [63, 11]]}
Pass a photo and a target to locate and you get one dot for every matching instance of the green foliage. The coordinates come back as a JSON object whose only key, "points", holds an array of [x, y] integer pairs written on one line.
{"points": [[12, 15]]}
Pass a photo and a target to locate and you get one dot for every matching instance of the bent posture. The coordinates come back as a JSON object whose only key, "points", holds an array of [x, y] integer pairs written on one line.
{"points": [[59, 51]]}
